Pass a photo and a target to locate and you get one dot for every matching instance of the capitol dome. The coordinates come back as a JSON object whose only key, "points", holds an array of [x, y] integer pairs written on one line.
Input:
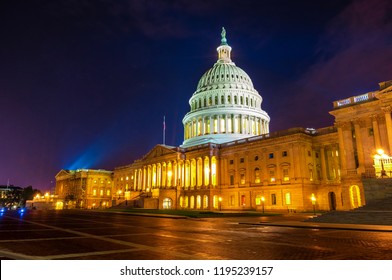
{"points": [[225, 106]]}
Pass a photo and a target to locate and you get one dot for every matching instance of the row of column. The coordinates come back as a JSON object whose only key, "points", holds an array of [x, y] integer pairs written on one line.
{"points": [[346, 146], [231, 100], [226, 124], [182, 173]]}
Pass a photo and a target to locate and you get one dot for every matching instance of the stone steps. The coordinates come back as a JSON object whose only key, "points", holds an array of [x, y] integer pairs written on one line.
{"points": [[377, 213]]}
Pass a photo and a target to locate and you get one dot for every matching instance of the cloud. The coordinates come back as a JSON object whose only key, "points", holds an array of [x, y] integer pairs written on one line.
{"points": [[353, 55]]}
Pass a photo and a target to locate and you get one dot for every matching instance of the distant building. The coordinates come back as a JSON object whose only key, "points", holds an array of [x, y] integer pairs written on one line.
{"points": [[229, 159], [85, 188], [10, 195], [45, 202]]}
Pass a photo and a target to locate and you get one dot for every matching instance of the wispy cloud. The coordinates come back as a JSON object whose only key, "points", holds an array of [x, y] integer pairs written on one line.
{"points": [[353, 55]]}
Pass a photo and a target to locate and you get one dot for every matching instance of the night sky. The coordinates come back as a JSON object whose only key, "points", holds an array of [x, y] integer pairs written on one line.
{"points": [[85, 84]]}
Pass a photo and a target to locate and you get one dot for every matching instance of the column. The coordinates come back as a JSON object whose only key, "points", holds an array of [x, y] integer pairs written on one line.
{"points": [[202, 126], [388, 122], [358, 139], [323, 163], [342, 151], [376, 133]]}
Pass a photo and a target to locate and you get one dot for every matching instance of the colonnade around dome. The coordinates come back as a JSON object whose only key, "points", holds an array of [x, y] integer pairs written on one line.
{"points": [[225, 124]]}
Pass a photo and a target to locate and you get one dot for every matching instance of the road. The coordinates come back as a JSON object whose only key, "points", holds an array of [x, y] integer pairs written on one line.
{"points": [[77, 235]]}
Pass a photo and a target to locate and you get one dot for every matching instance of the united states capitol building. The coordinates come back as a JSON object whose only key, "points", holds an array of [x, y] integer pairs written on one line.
{"points": [[229, 159]]}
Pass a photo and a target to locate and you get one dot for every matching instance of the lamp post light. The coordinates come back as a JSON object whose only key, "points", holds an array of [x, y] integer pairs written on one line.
{"points": [[220, 203], [381, 156], [313, 199], [262, 201]]}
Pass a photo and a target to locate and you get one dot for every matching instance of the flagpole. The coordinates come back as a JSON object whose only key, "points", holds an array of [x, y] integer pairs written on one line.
{"points": [[164, 129]]}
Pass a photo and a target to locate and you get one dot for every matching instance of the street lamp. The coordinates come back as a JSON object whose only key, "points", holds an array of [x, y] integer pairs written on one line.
{"points": [[381, 156], [262, 201], [220, 203], [313, 199]]}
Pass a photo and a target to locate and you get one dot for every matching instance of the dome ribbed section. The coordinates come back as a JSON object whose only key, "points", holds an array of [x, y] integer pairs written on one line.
{"points": [[224, 74]]}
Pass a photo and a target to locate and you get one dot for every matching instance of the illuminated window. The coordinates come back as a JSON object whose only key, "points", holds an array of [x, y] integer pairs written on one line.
{"points": [[286, 175], [242, 179], [215, 201], [288, 198], [94, 192], [213, 171], [257, 175], [198, 202], [206, 171], [108, 192], [258, 200], [167, 203], [192, 202], [101, 192], [272, 176]]}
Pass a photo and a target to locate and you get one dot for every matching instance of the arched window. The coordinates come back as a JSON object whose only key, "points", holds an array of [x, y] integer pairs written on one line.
{"points": [[235, 99], [206, 171], [222, 99], [198, 202], [213, 171], [192, 202]]}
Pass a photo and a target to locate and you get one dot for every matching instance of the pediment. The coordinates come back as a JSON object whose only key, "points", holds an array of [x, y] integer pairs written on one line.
{"points": [[62, 173], [160, 151]]}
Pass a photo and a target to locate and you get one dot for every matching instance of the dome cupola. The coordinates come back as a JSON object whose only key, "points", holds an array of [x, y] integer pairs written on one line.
{"points": [[225, 106]]}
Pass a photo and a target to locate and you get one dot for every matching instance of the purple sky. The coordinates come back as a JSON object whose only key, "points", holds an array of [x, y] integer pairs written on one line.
{"points": [[85, 84]]}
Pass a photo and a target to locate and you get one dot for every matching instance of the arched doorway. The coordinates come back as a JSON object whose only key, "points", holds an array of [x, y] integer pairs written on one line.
{"points": [[167, 203], [332, 201], [355, 196]]}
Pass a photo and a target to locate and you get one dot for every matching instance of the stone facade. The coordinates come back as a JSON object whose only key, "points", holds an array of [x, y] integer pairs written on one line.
{"points": [[85, 188]]}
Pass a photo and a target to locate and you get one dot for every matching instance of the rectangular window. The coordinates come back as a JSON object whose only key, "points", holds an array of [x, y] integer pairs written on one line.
{"points": [[286, 175], [241, 160], [272, 176], [101, 192], [284, 154], [231, 161], [288, 198], [242, 179], [94, 192], [271, 155], [273, 199], [243, 200], [231, 180]]}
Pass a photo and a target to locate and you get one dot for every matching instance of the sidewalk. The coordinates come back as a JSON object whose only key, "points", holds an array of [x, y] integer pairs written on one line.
{"points": [[310, 225]]}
